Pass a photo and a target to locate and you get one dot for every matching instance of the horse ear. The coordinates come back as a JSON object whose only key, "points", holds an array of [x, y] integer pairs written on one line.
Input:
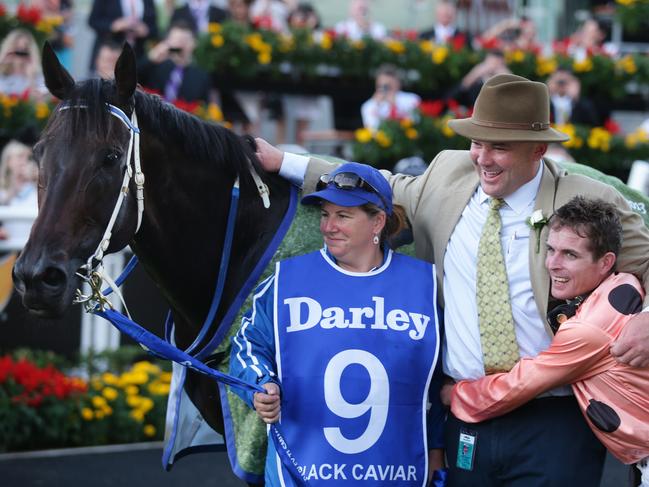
{"points": [[57, 79], [125, 73]]}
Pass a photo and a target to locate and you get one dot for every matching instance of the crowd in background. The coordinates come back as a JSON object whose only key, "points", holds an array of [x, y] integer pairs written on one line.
{"points": [[166, 63]]}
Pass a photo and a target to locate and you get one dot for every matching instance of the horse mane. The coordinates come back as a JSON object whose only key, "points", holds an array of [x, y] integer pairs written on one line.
{"points": [[199, 140]]}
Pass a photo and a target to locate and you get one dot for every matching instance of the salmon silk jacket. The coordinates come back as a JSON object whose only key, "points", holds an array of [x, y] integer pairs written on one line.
{"points": [[613, 397]]}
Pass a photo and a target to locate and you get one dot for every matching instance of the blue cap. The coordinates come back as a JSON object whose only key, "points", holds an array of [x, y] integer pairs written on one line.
{"points": [[355, 196]]}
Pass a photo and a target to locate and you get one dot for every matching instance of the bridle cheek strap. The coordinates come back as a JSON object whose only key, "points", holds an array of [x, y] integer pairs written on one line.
{"points": [[132, 171]]}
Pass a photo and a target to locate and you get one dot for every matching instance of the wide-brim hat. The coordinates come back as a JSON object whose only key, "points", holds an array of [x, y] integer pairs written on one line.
{"points": [[380, 194], [510, 108]]}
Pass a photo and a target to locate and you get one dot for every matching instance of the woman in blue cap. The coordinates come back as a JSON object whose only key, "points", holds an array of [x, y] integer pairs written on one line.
{"points": [[345, 341]]}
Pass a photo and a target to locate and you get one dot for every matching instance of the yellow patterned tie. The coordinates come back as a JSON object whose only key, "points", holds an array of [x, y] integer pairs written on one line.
{"points": [[497, 336]]}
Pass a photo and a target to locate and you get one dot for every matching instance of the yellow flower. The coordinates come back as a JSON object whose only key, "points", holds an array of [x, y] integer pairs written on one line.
{"points": [[254, 40], [146, 405], [382, 139], [137, 415], [136, 377], [426, 46], [107, 410], [109, 379], [626, 2], [42, 110], [627, 64], [545, 65], [440, 54], [100, 414], [213, 27], [599, 138], [162, 389], [214, 112], [447, 131], [110, 393], [583, 66], [98, 402], [358, 45], [149, 430], [97, 384], [217, 40], [326, 42], [165, 377], [406, 122], [411, 133], [145, 366], [264, 58], [363, 135], [516, 56], [87, 414], [395, 46], [287, 43], [132, 390], [133, 401]]}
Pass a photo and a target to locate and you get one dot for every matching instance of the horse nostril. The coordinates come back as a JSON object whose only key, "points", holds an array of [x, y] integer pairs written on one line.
{"points": [[53, 277]]}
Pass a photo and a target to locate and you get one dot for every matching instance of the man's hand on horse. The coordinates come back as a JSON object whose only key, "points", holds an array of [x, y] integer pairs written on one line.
{"points": [[632, 346], [267, 405], [269, 156]]}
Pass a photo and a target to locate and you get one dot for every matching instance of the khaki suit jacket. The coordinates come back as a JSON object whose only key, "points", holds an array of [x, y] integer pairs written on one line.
{"points": [[434, 203]]}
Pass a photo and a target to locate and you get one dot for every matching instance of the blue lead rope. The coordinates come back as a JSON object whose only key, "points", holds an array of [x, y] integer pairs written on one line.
{"points": [[160, 348]]}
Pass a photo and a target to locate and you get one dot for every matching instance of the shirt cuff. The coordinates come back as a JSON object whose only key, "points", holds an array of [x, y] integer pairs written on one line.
{"points": [[294, 168]]}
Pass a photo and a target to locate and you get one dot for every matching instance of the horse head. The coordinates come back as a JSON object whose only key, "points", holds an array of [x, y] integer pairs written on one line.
{"points": [[82, 157]]}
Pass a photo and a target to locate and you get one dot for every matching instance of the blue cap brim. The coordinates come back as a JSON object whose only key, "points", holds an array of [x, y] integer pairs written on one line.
{"points": [[342, 197]]}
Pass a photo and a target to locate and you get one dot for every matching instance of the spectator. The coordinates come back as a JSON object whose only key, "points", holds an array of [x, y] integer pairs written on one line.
{"points": [[198, 14], [388, 100], [106, 59], [587, 40], [18, 176], [468, 89], [20, 65], [123, 20], [240, 11], [359, 24], [270, 14], [170, 70], [511, 34], [445, 31], [567, 105], [61, 37], [306, 108]]}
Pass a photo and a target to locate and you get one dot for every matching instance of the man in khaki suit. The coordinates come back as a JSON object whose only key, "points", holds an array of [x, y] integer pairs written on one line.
{"points": [[546, 442]]}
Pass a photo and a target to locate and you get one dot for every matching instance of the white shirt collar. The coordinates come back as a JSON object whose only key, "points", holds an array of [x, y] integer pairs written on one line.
{"points": [[521, 199]]}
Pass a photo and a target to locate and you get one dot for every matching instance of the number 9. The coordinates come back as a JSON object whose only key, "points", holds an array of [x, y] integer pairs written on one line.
{"points": [[377, 400]]}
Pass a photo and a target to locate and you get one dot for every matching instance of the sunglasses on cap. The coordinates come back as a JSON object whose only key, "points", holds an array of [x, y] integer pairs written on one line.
{"points": [[348, 181]]}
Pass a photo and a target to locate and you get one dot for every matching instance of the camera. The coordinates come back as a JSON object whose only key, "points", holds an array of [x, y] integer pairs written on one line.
{"points": [[175, 50]]}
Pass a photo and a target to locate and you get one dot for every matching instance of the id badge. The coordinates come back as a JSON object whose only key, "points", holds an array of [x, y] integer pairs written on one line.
{"points": [[466, 449]]}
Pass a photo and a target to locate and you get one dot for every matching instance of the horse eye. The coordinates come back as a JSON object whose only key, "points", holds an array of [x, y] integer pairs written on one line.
{"points": [[112, 157]]}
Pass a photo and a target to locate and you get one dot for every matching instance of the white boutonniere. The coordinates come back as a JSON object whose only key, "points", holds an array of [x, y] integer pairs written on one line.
{"points": [[537, 221]]}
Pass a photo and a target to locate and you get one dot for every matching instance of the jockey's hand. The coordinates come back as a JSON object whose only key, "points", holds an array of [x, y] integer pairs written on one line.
{"points": [[267, 405], [269, 155], [632, 346]]}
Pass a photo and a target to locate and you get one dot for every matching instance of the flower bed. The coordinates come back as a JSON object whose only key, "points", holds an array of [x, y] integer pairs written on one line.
{"points": [[240, 51], [29, 18], [41, 407]]}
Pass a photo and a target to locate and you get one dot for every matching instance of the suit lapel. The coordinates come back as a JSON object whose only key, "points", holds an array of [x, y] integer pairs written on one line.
{"points": [[545, 203]]}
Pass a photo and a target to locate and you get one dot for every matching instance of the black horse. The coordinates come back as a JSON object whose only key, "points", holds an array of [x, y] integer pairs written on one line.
{"points": [[190, 168]]}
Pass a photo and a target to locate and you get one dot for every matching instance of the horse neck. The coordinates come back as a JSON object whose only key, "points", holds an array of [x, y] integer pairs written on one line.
{"points": [[181, 238]]}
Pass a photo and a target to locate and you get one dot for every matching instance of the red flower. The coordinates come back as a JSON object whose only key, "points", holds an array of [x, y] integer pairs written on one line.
{"points": [[458, 42], [187, 106], [3, 10], [397, 34], [412, 35], [28, 15], [432, 108], [612, 126]]}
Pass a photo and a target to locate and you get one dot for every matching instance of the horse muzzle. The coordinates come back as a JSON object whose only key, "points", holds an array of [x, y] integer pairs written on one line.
{"points": [[46, 286]]}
